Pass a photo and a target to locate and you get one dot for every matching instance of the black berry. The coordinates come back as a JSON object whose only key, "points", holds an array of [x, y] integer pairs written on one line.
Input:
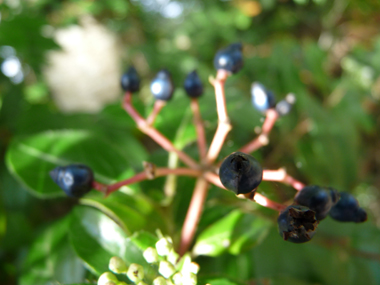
{"points": [[229, 58], [75, 179], [240, 173], [193, 85], [348, 210], [162, 86], [262, 99], [318, 199], [130, 80], [297, 224]]}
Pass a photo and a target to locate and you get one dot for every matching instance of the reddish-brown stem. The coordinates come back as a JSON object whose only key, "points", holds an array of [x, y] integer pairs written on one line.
{"points": [[280, 175], [265, 202], [224, 125], [270, 120], [255, 144], [148, 174], [158, 105], [154, 134], [262, 139], [201, 137], [257, 197], [193, 215], [99, 187]]}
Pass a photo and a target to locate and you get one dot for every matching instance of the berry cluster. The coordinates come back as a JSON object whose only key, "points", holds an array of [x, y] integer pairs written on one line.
{"points": [[239, 172]]}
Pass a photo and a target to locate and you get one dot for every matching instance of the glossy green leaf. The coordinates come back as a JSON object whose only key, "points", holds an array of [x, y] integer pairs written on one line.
{"points": [[51, 258], [30, 159], [235, 233], [133, 212], [96, 238]]}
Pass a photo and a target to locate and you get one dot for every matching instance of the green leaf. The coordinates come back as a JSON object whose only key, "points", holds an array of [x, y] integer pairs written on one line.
{"points": [[133, 212], [51, 258], [96, 238], [235, 232], [30, 159]]}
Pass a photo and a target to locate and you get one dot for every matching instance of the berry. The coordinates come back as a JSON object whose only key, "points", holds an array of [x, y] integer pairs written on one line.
{"points": [[130, 80], [240, 173], [297, 224], [285, 106], [318, 199], [230, 58], [262, 99], [162, 86], [348, 210], [193, 85], [75, 179]]}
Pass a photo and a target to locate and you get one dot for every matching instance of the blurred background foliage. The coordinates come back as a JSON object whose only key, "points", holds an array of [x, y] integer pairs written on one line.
{"points": [[60, 102]]}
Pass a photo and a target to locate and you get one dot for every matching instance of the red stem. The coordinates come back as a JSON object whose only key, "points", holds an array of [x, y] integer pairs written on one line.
{"points": [[201, 136], [153, 133], [193, 215], [158, 105], [280, 175], [224, 125]]}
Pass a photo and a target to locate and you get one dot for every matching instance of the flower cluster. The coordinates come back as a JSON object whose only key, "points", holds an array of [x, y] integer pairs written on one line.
{"points": [[171, 268]]}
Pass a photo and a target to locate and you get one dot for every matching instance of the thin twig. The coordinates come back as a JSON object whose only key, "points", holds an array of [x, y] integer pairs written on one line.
{"points": [[224, 125], [158, 105], [280, 175], [193, 215], [154, 134], [262, 139], [201, 137], [149, 174]]}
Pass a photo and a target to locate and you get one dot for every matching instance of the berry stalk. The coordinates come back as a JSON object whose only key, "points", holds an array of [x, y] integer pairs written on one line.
{"points": [[224, 125], [201, 136], [157, 107], [153, 133], [193, 215], [280, 175]]}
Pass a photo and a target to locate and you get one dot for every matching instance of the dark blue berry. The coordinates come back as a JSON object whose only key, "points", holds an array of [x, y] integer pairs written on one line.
{"points": [[318, 199], [75, 179], [193, 85], [162, 86], [348, 210], [130, 80], [297, 224], [284, 106], [240, 173], [229, 58], [262, 99]]}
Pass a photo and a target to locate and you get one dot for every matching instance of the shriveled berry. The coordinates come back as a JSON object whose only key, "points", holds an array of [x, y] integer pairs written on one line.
{"points": [[162, 86], [318, 199], [348, 210], [240, 173], [193, 85], [229, 58], [262, 99], [75, 179], [284, 106], [297, 224], [130, 80]]}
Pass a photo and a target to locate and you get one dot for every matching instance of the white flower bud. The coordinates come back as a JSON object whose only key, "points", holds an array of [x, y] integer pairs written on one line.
{"points": [[194, 267], [135, 272], [117, 265], [159, 281], [150, 255], [166, 269], [177, 278], [107, 277], [189, 279], [173, 257], [164, 246]]}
